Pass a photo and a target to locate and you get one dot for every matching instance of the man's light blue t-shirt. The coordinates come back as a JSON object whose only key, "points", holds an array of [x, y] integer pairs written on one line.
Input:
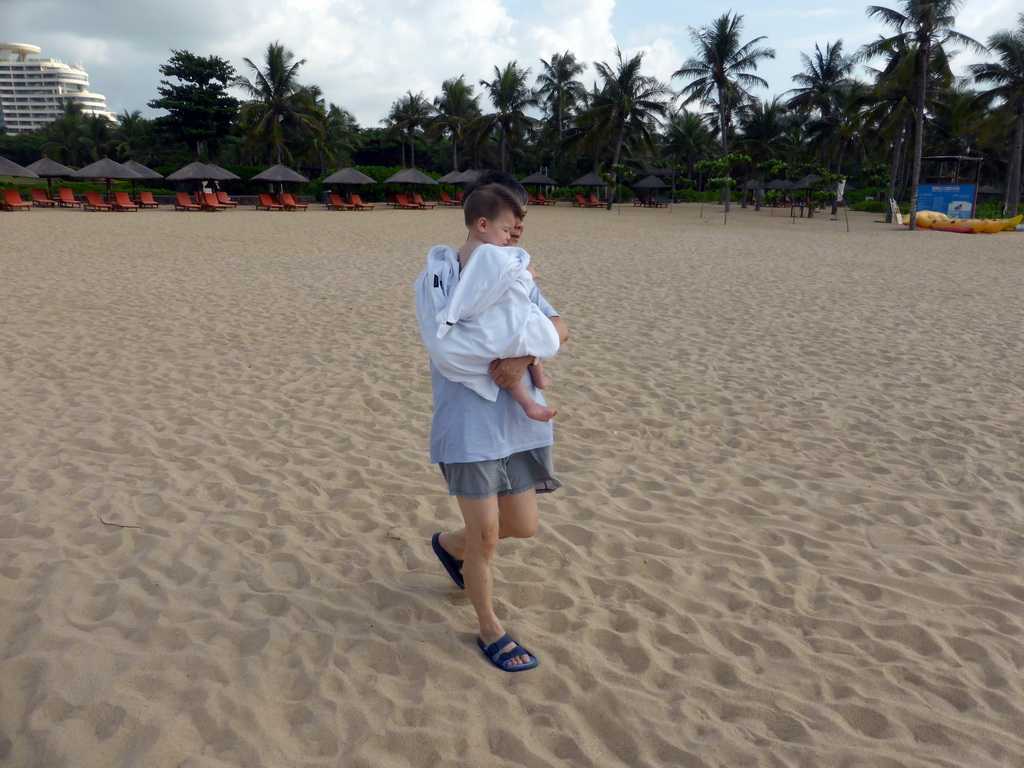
{"points": [[466, 427]]}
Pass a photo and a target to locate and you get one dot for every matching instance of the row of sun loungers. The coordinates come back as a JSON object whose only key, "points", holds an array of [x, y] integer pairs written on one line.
{"points": [[219, 201]]}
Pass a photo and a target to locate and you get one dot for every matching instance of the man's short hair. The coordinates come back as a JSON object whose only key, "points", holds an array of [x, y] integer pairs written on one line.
{"points": [[489, 202]]}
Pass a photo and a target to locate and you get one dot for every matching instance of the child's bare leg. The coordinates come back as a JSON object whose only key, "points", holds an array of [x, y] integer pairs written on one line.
{"points": [[531, 407], [540, 381]]}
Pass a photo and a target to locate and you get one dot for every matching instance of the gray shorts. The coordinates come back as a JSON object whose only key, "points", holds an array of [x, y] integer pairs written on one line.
{"points": [[517, 473]]}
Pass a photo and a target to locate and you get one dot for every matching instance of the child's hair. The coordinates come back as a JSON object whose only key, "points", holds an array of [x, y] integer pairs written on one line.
{"points": [[488, 202]]}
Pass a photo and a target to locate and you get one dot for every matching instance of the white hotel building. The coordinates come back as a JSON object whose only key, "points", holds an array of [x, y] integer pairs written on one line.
{"points": [[33, 91]]}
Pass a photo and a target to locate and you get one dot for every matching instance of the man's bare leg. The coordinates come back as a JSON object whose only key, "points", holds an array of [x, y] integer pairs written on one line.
{"points": [[480, 540]]}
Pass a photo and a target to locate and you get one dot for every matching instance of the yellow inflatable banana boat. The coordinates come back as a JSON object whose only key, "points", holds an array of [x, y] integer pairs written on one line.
{"points": [[941, 222]]}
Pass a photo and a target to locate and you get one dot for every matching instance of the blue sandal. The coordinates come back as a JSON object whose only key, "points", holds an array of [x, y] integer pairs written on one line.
{"points": [[453, 566], [501, 659]]}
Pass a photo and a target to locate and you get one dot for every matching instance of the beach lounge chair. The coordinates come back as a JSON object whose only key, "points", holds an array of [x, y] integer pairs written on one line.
{"points": [[146, 200], [93, 202], [263, 200], [209, 202], [39, 198], [532, 200], [65, 198], [359, 205], [290, 203], [183, 202], [593, 201], [124, 203], [401, 201], [12, 201], [446, 200], [641, 200], [581, 202], [420, 202], [544, 201], [223, 199], [335, 203]]}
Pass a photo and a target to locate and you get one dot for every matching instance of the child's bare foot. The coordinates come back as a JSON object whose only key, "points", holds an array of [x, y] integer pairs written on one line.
{"points": [[539, 412], [540, 380]]}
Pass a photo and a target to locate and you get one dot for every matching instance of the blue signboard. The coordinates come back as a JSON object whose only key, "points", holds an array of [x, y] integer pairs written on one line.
{"points": [[954, 200]]}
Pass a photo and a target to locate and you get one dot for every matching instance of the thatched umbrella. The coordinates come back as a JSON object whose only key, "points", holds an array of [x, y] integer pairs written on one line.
{"points": [[650, 182], [143, 171], [106, 169], [11, 168], [200, 172], [411, 177], [539, 179], [779, 184], [48, 169], [807, 182], [280, 175], [451, 177], [349, 177], [589, 180], [467, 176]]}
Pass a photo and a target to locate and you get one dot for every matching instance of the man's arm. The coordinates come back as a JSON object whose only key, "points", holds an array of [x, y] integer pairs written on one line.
{"points": [[509, 372]]}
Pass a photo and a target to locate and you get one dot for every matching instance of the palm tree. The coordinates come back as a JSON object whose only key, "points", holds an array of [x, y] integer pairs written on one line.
{"points": [[823, 77], [278, 103], [131, 136], [63, 136], [892, 108], [456, 107], [409, 114], [763, 134], [341, 133], [687, 136], [1008, 76], [630, 103], [722, 69], [824, 87], [559, 86], [511, 97], [925, 28]]}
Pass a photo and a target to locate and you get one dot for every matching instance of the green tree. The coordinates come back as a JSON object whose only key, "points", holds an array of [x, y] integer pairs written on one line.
{"points": [[687, 137], [723, 69], [133, 137], [278, 105], [1007, 76], [409, 114], [63, 136], [200, 111], [925, 28], [630, 103], [560, 90], [511, 97], [455, 109]]}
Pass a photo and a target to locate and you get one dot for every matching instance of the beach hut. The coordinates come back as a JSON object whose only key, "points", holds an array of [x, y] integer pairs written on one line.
{"points": [[650, 183]]}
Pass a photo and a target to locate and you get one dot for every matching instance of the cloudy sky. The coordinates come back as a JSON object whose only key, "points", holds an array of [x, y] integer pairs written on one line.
{"points": [[365, 55]]}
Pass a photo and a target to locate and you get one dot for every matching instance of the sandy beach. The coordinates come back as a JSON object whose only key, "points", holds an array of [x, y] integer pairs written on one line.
{"points": [[791, 533]]}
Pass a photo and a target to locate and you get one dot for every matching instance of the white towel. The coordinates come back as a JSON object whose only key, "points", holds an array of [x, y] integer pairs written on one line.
{"points": [[482, 315]]}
